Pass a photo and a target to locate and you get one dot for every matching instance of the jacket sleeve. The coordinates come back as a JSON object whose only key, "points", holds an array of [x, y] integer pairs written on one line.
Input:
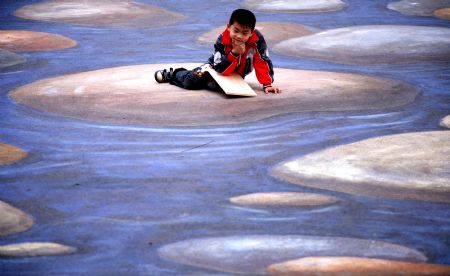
{"points": [[220, 61], [262, 63]]}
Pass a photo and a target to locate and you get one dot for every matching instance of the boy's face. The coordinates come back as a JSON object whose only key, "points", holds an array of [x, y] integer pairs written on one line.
{"points": [[239, 34]]}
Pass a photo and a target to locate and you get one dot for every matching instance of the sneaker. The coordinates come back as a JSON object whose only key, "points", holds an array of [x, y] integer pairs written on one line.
{"points": [[163, 75]]}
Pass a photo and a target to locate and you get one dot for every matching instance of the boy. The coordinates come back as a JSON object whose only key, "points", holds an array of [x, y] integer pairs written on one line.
{"points": [[238, 49]]}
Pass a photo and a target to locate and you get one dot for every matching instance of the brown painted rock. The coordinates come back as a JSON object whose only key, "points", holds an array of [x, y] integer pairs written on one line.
{"points": [[10, 154], [99, 13], [413, 166], [13, 220], [284, 198], [418, 7], [273, 32], [352, 266], [445, 122], [8, 59], [130, 95], [27, 41], [303, 6], [443, 13], [34, 249], [375, 44]]}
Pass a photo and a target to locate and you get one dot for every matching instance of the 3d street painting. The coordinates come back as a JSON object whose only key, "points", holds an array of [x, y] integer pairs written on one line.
{"points": [[105, 172]]}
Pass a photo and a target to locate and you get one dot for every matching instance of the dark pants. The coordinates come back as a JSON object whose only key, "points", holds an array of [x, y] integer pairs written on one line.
{"points": [[194, 80]]}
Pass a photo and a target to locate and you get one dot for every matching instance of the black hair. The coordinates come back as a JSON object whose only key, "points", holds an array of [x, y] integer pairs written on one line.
{"points": [[244, 17]]}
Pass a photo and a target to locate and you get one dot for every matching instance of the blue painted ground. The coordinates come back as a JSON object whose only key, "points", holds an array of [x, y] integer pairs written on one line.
{"points": [[118, 193]]}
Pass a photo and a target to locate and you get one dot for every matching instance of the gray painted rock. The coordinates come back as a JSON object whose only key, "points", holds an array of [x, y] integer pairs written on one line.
{"points": [[418, 7], [273, 32], [99, 13], [26, 41], [445, 122], [412, 166], [8, 59], [13, 220], [373, 45], [284, 198], [10, 154], [130, 95], [253, 254], [34, 249], [303, 6], [351, 266]]}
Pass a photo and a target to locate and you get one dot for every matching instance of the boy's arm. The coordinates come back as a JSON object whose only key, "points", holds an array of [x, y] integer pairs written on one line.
{"points": [[263, 65], [220, 61]]}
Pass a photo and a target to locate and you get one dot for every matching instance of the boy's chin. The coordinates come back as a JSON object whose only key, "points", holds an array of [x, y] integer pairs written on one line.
{"points": [[238, 42]]}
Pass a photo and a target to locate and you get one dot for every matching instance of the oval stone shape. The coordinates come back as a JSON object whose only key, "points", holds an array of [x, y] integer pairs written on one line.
{"points": [[253, 254]]}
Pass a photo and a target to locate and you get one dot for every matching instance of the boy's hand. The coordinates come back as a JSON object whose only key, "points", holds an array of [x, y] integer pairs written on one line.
{"points": [[272, 89], [238, 48]]}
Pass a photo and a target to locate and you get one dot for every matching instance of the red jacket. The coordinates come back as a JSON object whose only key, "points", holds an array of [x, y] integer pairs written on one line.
{"points": [[256, 56]]}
